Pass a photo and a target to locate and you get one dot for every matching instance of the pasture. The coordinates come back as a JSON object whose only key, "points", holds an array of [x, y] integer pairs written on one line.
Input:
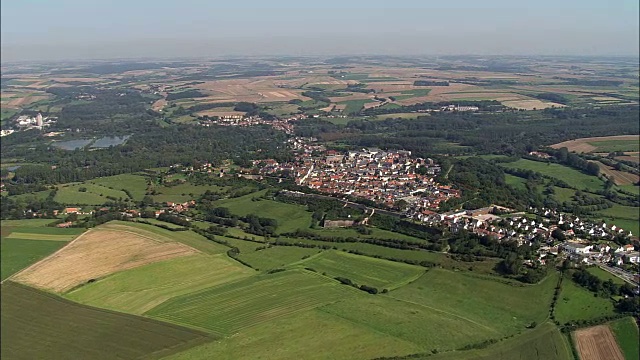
{"points": [[181, 192], [474, 299], [93, 194], [604, 276], [229, 308], [138, 290], [98, 253], [544, 342], [303, 335], [135, 184], [276, 256], [571, 176], [65, 330], [289, 217], [364, 270], [577, 303], [27, 242], [625, 217], [625, 331]]}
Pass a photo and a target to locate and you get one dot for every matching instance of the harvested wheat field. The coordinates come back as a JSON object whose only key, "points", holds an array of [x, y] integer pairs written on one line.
{"points": [[582, 145], [597, 343], [619, 177], [97, 253]]}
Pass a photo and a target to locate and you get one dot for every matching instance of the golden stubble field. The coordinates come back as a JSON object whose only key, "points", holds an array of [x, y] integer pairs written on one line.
{"points": [[95, 254], [597, 343]]}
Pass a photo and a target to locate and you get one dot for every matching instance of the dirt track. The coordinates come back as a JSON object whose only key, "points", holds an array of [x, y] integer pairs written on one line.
{"points": [[597, 343]]}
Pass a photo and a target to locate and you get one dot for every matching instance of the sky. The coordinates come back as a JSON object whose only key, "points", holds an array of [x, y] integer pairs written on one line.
{"points": [[99, 29]]}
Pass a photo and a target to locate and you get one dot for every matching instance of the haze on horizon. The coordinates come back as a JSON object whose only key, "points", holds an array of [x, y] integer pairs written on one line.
{"points": [[35, 30]]}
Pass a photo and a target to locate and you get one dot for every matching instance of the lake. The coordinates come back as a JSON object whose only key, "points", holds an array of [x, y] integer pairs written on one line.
{"points": [[107, 141], [72, 144]]}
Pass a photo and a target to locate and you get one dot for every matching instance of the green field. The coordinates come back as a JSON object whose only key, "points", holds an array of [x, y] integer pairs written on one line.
{"points": [[571, 176], [544, 342], [500, 307], [229, 308], [515, 181], [182, 192], [353, 106], [135, 184], [140, 289], [39, 325], [624, 217], [604, 276], [17, 254], [95, 194], [626, 333], [276, 256], [616, 145], [577, 303], [398, 115], [289, 217], [311, 335], [25, 242], [364, 270]]}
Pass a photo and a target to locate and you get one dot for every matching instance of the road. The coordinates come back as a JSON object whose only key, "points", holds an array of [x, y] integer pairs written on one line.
{"points": [[624, 275]]}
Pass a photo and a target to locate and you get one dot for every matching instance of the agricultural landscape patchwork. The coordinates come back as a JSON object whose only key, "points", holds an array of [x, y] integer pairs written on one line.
{"points": [[321, 208]]}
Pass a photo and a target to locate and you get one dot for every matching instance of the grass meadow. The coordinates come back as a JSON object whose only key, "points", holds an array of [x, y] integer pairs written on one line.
{"points": [[577, 303], [570, 176], [276, 256], [135, 184], [626, 332], [364, 270], [29, 314], [289, 217], [140, 289], [94, 194], [229, 308], [307, 336]]}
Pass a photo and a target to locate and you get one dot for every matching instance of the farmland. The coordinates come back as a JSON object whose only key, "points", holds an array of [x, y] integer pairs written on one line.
{"points": [[135, 184], [542, 343], [276, 257], [29, 314], [576, 303], [87, 194], [571, 176], [626, 334], [97, 253], [364, 270], [601, 144], [289, 217], [226, 309], [28, 243], [138, 290], [306, 336], [597, 343]]}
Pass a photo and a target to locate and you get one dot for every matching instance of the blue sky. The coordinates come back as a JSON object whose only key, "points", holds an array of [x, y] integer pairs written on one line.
{"points": [[33, 29]]}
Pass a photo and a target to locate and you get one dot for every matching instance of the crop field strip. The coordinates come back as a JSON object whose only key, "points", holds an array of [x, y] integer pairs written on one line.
{"points": [[138, 290], [97, 253], [626, 333], [29, 314], [597, 343], [231, 307]]}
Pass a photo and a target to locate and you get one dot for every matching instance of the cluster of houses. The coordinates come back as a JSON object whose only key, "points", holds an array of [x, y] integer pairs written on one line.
{"points": [[579, 239], [385, 177], [240, 120]]}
